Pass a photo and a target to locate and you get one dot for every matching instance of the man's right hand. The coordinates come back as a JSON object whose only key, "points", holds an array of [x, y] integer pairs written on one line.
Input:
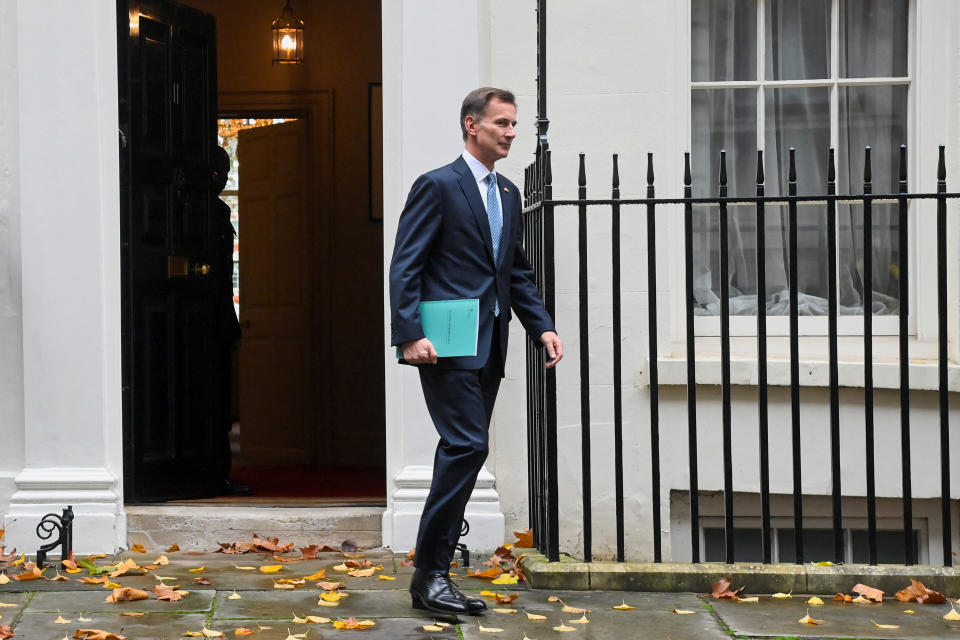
{"points": [[419, 352]]}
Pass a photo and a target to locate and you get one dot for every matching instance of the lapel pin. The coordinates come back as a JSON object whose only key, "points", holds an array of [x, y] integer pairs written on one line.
{"points": [[505, 189]]}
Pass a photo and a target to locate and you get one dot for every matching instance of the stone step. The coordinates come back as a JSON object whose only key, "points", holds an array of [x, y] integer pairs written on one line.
{"points": [[201, 527]]}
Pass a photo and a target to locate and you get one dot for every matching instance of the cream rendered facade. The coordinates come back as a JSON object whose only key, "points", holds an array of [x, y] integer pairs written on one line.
{"points": [[618, 77]]}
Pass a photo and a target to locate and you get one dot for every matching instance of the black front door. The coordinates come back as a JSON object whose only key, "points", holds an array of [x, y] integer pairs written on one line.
{"points": [[174, 359]]}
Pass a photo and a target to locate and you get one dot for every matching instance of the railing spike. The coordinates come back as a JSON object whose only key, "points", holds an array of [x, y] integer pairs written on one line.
{"points": [[547, 169], [903, 164], [723, 168], [760, 176], [867, 169], [687, 179], [792, 176], [616, 174], [582, 176], [831, 166], [650, 191], [942, 165]]}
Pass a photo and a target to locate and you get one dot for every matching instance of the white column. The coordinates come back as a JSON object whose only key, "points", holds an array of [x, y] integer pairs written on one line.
{"points": [[434, 53], [70, 242]]}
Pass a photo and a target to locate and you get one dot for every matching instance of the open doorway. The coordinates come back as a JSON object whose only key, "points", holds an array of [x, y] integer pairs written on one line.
{"points": [[307, 409]]}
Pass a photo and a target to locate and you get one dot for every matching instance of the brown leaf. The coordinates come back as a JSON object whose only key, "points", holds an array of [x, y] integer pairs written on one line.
{"points": [[138, 548], [6, 631], [506, 598], [721, 589], [919, 592], [172, 548], [357, 564], [89, 580], [842, 597], [524, 539], [362, 573], [97, 634], [492, 572], [202, 580], [331, 586], [868, 592], [409, 561], [309, 552], [124, 594], [163, 592], [30, 572]]}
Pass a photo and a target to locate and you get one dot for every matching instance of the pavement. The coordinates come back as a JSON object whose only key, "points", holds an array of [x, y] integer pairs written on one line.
{"points": [[241, 597]]}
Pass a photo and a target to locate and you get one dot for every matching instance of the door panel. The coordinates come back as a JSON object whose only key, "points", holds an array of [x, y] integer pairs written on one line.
{"points": [[276, 374], [175, 415]]}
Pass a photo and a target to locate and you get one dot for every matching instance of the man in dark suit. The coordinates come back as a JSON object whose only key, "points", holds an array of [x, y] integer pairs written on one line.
{"points": [[460, 236]]}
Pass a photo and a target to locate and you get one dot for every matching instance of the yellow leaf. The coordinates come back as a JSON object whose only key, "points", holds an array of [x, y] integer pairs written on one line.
{"points": [[750, 599], [282, 585], [568, 609], [362, 573], [823, 563], [563, 627], [505, 579], [4, 579], [861, 600], [111, 585], [319, 575], [488, 594], [323, 603], [581, 620], [139, 548], [909, 611], [82, 619], [341, 567], [683, 612], [383, 577], [270, 568], [162, 560], [298, 620], [193, 634], [505, 610], [5, 604], [331, 596], [61, 620], [489, 629], [623, 606], [534, 616], [209, 633], [782, 595], [19, 561], [234, 596], [317, 620], [243, 631], [953, 615], [885, 626], [431, 627], [808, 620], [815, 600], [294, 582], [196, 570], [77, 570], [244, 568], [125, 568]]}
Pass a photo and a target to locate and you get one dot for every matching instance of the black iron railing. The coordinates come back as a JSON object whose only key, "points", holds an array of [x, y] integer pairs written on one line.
{"points": [[539, 212]]}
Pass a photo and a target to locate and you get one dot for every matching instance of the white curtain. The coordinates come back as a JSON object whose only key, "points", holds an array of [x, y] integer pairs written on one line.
{"points": [[873, 43]]}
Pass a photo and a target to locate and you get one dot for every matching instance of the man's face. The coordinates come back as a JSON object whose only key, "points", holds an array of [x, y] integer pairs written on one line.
{"points": [[494, 132]]}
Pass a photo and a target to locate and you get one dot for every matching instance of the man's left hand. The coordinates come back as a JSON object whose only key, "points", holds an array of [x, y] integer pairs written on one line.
{"points": [[554, 347]]}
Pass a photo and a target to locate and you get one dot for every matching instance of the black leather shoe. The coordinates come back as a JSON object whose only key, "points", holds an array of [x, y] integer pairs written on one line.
{"points": [[433, 591]]}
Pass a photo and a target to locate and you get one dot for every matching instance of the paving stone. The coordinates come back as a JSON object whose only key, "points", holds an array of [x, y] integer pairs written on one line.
{"points": [[94, 601], [151, 626], [282, 605], [780, 618], [653, 619]]}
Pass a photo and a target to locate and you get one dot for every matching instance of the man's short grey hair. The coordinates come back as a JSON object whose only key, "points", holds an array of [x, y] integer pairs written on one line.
{"points": [[475, 104]]}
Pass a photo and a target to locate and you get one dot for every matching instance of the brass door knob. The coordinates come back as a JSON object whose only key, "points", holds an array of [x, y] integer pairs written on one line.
{"points": [[201, 269]]}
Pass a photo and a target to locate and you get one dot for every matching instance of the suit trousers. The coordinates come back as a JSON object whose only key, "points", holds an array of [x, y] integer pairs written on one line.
{"points": [[460, 402]]}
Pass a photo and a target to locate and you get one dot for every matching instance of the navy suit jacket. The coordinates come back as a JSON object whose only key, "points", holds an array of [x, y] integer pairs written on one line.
{"points": [[444, 250]]}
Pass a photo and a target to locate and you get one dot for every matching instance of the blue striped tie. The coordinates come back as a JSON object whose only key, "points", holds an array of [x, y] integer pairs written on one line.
{"points": [[496, 221]]}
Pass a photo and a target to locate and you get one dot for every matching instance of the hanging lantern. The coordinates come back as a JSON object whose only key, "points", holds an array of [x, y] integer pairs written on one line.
{"points": [[288, 38]]}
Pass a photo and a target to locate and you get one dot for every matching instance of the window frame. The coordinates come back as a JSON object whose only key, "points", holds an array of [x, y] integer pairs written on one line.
{"points": [[777, 326]]}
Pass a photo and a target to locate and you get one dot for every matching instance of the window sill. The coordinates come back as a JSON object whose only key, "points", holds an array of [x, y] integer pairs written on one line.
{"points": [[672, 371]]}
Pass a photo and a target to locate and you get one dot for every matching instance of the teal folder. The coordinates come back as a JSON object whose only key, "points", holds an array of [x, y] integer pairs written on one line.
{"points": [[451, 325]]}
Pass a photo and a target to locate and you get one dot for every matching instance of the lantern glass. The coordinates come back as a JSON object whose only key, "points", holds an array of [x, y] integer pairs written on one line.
{"points": [[288, 38]]}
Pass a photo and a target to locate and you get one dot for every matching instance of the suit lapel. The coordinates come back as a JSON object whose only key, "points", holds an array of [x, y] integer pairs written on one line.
{"points": [[507, 199], [472, 193]]}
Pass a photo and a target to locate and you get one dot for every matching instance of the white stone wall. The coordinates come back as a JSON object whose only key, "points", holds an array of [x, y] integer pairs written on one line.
{"points": [[618, 78], [11, 340]]}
